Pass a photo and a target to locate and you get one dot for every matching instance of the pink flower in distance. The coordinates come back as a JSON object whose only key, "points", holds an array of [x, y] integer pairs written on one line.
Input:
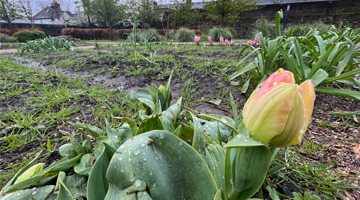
{"points": [[249, 42], [197, 39], [221, 39], [256, 38], [210, 39], [232, 42], [226, 42]]}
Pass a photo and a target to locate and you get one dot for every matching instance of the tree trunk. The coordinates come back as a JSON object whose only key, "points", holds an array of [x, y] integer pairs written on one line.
{"points": [[10, 25], [175, 21], [111, 29]]}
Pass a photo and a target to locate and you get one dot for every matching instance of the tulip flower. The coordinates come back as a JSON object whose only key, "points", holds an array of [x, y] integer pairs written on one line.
{"points": [[210, 39], [226, 42], [279, 112]]}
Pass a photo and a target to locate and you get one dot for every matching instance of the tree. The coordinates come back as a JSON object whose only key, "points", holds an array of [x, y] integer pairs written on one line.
{"points": [[9, 11], [108, 11], [147, 12], [26, 10], [227, 11], [182, 12]]}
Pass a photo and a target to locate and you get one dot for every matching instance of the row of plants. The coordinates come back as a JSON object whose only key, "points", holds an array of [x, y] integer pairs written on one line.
{"points": [[323, 57], [46, 44], [90, 34], [15, 30], [173, 153]]}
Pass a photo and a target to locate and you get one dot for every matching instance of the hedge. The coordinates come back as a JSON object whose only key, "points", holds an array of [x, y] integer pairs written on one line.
{"points": [[98, 33], [25, 36], [15, 30]]}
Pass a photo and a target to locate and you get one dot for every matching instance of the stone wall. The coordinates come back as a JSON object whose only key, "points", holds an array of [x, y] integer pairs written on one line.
{"points": [[337, 12]]}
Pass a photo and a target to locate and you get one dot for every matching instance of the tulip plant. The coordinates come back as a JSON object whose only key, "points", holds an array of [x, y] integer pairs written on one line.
{"points": [[173, 154], [197, 40], [210, 40], [322, 57]]}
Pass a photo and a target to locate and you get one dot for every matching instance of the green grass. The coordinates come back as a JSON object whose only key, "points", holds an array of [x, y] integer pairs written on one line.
{"points": [[46, 104]]}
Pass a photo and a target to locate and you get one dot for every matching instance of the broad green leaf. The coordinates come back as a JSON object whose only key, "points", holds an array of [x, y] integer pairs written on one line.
{"points": [[118, 136], [241, 140], [131, 123], [93, 130], [319, 77], [82, 167], [213, 128], [64, 193], [245, 170], [215, 101], [185, 132], [272, 193], [97, 184], [174, 111], [307, 196], [76, 185], [339, 92], [62, 165], [198, 142], [227, 121], [215, 159], [152, 123], [40, 193], [144, 97], [150, 157], [348, 58]]}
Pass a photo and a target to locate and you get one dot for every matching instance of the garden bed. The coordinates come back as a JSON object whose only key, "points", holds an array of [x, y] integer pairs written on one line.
{"points": [[54, 89]]}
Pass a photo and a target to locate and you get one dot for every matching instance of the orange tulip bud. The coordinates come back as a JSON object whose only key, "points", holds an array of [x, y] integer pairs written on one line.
{"points": [[279, 112]]}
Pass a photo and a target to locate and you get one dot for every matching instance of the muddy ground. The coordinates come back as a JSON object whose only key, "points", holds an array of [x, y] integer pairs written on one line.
{"points": [[199, 76]]}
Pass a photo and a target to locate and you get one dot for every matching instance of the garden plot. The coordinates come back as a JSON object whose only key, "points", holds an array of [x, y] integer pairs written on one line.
{"points": [[57, 90]]}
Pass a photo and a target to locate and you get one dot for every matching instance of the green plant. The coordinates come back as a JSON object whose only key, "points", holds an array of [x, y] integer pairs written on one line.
{"points": [[301, 29], [266, 27], [213, 153], [218, 32], [6, 38], [47, 44], [322, 57], [151, 35], [233, 32], [25, 36], [184, 35]]}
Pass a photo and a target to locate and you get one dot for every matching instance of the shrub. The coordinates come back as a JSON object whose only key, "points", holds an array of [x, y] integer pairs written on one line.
{"points": [[24, 36], [299, 30], [172, 34], [267, 28], [6, 38], [98, 33], [185, 35], [151, 35], [233, 32], [9, 32], [217, 32]]}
